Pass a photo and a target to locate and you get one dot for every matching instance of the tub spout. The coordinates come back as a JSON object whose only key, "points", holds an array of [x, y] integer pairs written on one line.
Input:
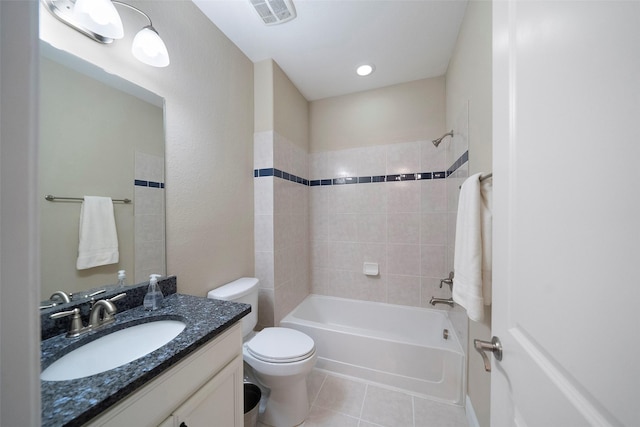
{"points": [[435, 301]]}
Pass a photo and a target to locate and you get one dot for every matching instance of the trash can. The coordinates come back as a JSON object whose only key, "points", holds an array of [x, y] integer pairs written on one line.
{"points": [[252, 395]]}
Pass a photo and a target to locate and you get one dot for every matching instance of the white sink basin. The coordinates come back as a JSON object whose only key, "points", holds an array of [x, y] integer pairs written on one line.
{"points": [[113, 350]]}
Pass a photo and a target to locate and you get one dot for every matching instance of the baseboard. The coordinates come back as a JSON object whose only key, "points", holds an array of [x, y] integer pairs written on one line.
{"points": [[471, 414]]}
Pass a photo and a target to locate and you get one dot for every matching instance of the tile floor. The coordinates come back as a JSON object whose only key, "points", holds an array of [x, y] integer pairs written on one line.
{"points": [[347, 402]]}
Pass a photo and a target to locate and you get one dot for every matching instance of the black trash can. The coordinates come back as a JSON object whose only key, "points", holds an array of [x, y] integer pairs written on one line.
{"points": [[252, 395]]}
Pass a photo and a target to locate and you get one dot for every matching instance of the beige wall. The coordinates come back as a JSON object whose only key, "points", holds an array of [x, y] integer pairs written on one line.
{"points": [[400, 113], [469, 79], [263, 95], [208, 90], [291, 110]]}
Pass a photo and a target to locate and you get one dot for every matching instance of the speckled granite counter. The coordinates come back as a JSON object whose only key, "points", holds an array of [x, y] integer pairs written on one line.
{"points": [[74, 402]]}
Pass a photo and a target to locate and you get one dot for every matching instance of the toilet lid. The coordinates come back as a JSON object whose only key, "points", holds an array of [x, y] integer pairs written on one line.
{"points": [[280, 345]]}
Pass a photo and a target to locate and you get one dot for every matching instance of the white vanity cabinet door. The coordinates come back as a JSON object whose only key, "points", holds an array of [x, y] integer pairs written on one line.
{"points": [[217, 403], [155, 404]]}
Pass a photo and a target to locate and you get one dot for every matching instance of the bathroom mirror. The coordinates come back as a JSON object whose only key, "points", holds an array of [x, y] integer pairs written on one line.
{"points": [[100, 136]]}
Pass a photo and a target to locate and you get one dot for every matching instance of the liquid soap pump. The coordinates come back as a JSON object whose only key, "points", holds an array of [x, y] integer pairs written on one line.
{"points": [[153, 298]]}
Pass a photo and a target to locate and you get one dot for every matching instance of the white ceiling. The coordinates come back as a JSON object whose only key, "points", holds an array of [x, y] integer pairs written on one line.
{"points": [[319, 50]]}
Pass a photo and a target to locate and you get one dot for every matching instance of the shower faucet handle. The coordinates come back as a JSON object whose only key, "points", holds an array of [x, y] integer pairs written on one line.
{"points": [[448, 281]]}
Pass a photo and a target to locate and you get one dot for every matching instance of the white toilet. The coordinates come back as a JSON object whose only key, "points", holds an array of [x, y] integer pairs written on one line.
{"points": [[281, 358]]}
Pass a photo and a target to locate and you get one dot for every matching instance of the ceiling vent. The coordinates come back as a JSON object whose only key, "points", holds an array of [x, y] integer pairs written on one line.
{"points": [[274, 12]]}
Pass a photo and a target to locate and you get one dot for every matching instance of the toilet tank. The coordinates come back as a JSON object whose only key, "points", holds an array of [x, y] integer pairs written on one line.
{"points": [[243, 290]]}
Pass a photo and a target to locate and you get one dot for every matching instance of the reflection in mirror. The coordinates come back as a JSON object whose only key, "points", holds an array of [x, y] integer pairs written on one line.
{"points": [[100, 136]]}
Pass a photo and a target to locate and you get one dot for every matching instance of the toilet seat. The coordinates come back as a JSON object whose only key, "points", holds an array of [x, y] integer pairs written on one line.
{"points": [[280, 345]]}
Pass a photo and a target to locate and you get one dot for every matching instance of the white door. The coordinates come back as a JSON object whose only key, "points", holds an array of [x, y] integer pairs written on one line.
{"points": [[566, 213]]}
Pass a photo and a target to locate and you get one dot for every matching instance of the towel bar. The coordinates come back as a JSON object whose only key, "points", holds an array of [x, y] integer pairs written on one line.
{"points": [[51, 198]]}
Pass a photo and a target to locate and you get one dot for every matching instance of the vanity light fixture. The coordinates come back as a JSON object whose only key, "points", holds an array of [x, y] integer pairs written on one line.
{"points": [[100, 21], [365, 70]]}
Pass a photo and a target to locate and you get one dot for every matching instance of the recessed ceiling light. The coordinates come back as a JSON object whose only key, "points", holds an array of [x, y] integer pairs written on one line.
{"points": [[365, 70]]}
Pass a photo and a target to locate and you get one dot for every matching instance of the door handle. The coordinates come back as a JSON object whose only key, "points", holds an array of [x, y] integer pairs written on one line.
{"points": [[495, 346]]}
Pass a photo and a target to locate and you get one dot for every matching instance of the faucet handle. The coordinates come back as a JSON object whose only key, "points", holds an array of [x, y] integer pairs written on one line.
{"points": [[76, 321], [75, 311], [117, 297], [448, 281]]}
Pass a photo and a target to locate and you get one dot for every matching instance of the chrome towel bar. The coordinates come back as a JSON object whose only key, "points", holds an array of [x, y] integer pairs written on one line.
{"points": [[51, 198]]}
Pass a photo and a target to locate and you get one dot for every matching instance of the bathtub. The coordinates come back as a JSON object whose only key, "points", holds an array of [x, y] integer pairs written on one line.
{"points": [[392, 345]]}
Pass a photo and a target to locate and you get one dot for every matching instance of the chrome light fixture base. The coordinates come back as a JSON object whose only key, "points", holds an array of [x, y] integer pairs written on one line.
{"points": [[100, 21], [63, 10]]}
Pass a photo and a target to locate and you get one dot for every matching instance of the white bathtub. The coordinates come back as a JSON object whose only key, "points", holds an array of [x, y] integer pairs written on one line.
{"points": [[396, 346]]}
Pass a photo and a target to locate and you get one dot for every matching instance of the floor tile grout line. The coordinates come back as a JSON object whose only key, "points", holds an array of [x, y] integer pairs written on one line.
{"points": [[319, 390], [366, 391], [413, 410]]}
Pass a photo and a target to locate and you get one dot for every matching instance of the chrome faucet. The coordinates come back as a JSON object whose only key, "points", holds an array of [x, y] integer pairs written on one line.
{"points": [[449, 301], [61, 296], [102, 312], [434, 301]]}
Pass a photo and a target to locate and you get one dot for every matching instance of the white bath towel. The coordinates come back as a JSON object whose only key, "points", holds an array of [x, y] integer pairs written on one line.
{"points": [[472, 253], [98, 238]]}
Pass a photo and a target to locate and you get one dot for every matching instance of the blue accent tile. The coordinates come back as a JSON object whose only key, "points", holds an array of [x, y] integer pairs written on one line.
{"points": [[154, 184], [277, 172], [364, 179], [408, 177], [325, 182], [141, 183], [351, 180], [438, 175], [305, 181], [298, 180], [162, 185], [255, 173], [266, 172], [285, 175], [379, 178], [424, 175], [391, 178], [338, 181], [314, 183]]}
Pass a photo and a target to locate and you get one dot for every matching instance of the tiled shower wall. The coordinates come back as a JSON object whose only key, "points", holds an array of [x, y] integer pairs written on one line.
{"points": [[394, 214], [320, 216], [281, 203]]}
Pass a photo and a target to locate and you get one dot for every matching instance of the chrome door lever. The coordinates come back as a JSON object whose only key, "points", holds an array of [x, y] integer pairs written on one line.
{"points": [[483, 346]]}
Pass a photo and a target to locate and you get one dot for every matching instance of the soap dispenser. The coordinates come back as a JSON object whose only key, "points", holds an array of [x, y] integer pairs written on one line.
{"points": [[122, 279], [153, 298]]}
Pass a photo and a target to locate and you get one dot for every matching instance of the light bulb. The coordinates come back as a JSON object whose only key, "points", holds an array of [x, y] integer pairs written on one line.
{"points": [[149, 48], [99, 17], [365, 70]]}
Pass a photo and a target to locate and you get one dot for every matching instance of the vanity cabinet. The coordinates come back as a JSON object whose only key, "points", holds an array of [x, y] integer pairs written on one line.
{"points": [[203, 389]]}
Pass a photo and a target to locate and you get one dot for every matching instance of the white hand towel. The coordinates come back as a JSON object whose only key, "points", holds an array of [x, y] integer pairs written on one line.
{"points": [[472, 254], [98, 237]]}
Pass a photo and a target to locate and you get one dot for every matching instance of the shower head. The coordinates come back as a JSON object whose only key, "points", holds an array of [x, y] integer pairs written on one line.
{"points": [[437, 141]]}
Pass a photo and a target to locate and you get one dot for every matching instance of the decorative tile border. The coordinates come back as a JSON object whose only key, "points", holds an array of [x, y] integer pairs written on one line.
{"points": [[461, 161], [152, 184], [257, 173]]}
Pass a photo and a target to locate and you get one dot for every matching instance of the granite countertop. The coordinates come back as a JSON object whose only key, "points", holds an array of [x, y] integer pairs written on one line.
{"points": [[74, 402]]}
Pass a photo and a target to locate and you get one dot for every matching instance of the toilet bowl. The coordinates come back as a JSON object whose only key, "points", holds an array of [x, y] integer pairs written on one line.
{"points": [[281, 358]]}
